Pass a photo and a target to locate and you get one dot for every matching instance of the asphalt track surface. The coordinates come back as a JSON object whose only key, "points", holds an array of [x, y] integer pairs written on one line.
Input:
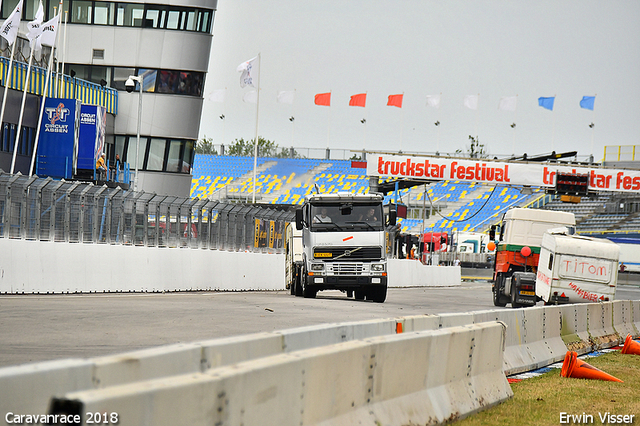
{"points": [[47, 327]]}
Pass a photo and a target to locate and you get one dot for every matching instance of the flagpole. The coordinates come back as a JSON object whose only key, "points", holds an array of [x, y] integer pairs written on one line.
{"points": [[64, 46], [7, 81], [255, 145], [24, 98], [553, 129], [515, 120], [593, 127], [44, 98], [401, 123]]}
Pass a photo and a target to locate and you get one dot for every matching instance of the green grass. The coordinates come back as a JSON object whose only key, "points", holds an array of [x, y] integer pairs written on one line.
{"points": [[540, 400]]}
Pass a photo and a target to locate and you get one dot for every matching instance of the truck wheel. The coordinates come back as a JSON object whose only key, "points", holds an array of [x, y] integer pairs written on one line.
{"points": [[513, 298], [298, 282], [292, 284], [307, 291], [377, 294], [359, 294], [497, 291]]}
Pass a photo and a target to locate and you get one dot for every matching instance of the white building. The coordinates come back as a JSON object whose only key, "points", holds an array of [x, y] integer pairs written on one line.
{"points": [[166, 42]]}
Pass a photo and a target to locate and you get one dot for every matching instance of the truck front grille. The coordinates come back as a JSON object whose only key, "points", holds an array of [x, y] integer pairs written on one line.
{"points": [[346, 268]]}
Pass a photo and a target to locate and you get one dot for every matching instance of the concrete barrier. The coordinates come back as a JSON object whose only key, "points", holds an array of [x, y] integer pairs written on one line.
{"points": [[387, 379], [534, 337], [623, 318], [574, 328], [600, 325], [412, 273], [42, 380], [162, 269]]}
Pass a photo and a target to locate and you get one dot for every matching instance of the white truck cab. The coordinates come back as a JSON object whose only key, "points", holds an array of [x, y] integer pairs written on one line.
{"points": [[344, 245], [576, 269]]}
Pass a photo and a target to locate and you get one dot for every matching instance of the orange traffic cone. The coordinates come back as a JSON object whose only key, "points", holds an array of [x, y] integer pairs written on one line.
{"points": [[631, 346], [578, 369]]}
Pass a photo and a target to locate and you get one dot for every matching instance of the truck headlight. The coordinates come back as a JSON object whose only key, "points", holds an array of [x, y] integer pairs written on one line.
{"points": [[317, 266], [377, 267]]}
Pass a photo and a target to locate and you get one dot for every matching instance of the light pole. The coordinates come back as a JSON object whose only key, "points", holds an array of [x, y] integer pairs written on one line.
{"points": [[130, 86]]}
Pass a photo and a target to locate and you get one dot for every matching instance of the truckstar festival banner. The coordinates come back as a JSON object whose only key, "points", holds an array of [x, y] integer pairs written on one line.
{"points": [[496, 172]]}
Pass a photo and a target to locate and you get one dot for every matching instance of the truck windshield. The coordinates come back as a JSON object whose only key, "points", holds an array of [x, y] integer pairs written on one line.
{"points": [[346, 216]]}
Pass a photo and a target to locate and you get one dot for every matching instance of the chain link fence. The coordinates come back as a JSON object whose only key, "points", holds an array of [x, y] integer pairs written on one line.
{"points": [[33, 208]]}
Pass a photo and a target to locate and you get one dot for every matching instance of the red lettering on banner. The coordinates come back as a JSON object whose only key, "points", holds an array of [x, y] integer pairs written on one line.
{"points": [[548, 176], [599, 181], [626, 182], [480, 172]]}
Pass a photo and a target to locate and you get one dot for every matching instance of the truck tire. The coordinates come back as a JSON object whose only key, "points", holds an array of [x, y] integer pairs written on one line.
{"points": [[298, 281], [292, 284], [498, 298], [308, 292], [513, 297], [359, 294], [377, 294]]}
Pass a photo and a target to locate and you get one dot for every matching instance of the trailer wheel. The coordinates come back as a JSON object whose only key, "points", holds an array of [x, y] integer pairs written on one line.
{"points": [[498, 299]]}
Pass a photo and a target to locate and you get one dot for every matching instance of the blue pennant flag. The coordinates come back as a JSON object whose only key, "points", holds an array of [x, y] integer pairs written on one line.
{"points": [[587, 102], [546, 102]]}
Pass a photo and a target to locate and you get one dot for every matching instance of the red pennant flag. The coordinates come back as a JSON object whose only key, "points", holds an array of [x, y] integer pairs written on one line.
{"points": [[358, 100], [395, 100], [323, 99]]}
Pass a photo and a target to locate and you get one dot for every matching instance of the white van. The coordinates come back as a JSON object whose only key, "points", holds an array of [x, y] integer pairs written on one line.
{"points": [[576, 269]]}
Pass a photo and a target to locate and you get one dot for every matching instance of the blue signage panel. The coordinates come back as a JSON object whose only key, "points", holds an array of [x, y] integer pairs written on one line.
{"points": [[58, 138], [91, 135]]}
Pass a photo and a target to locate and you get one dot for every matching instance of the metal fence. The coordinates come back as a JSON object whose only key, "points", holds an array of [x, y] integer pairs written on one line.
{"points": [[33, 208]]}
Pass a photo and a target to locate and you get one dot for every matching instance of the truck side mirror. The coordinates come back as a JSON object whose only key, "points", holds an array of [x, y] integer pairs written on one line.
{"points": [[393, 215], [492, 233], [299, 219]]}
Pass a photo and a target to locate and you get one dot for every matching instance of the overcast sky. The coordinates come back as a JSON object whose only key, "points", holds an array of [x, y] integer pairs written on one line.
{"points": [[494, 48]]}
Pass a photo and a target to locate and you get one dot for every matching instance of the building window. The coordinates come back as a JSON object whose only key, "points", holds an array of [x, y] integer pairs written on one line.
{"points": [[189, 83], [81, 12], [103, 13], [156, 154]]}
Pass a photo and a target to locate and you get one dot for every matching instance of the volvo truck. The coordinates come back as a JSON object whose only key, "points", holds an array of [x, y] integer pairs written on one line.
{"points": [[344, 245]]}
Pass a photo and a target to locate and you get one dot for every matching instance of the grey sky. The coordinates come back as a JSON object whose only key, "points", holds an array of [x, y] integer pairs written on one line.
{"points": [[494, 48]]}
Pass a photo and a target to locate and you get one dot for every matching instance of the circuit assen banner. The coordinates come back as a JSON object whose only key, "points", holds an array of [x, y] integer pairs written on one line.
{"points": [[496, 172]]}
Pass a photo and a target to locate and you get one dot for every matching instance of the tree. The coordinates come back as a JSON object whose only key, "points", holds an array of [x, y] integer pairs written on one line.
{"points": [[266, 148], [475, 150], [205, 146]]}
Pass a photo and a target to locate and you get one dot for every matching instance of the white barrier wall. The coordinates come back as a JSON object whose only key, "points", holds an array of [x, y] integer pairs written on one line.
{"points": [[380, 380], [535, 337], [412, 273], [54, 267]]}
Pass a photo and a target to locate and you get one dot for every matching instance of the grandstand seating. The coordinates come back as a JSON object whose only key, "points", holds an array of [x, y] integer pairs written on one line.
{"points": [[466, 206]]}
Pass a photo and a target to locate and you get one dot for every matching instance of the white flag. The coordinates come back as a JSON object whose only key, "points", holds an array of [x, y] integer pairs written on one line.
{"points": [[251, 97], [49, 29], [217, 95], [286, 96], [471, 101], [9, 30], [35, 27], [433, 101], [508, 103], [250, 72]]}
